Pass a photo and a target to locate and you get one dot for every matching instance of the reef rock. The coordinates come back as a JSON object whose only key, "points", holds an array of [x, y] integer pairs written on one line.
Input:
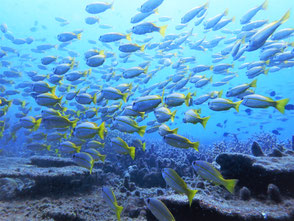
{"points": [[19, 178], [211, 206], [257, 173]]}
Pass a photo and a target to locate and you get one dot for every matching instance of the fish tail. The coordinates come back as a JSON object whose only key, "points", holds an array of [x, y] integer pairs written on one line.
{"points": [[162, 30], [124, 97], [146, 70], [206, 5], [142, 114], [264, 5], [175, 131], [9, 103], [78, 113], [64, 136], [48, 147], [128, 37], [37, 124], [226, 11], [78, 149], [253, 83], [23, 104], [204, 121], [95, 98], [211, 68], [142, 47], [266, 71], [173, 114], [92, 165], [144, 146], [141, 130], [196, 145], [190, 195], [102, 158], [89, 71], [230, 185], [72, 63], [156, 11], [233, 19], [79, 36], [101, 52], [101, 129], [53, 89], [285, 17], [132, 152], [280, 105], [119, 209], [237, 105], [74, 123], [187, 99], [220, 93], [210, 79]]}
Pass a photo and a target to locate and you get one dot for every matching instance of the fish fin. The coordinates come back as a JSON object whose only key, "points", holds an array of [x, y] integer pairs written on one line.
{"points": [[264, 5], [230, 185], [132, 152], [253, 83], [237, 105], [173, 114], [190, 195], [124, 97], [79, 36], [162, 30], [280, 105], [101, 129], [175, 131], [119, 209], [187, 99], [285, 17], [37, 124], [196, 145], [144, 146], [204, 121], [142, 47], [141, 130], [128, 37]]}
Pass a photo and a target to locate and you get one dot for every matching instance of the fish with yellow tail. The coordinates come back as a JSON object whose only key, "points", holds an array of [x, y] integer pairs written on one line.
{"points": [[128, 125], [177, 183], [159, 210], [259, 101], [87, 130], [260, 37], [110, 199], [176, 140], [191, 116], [121, 147], [221, 104], [208, 172], [84, 160]]}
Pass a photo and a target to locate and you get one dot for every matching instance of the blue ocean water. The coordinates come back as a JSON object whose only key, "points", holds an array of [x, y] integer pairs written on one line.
{"points": [[36, 19]]}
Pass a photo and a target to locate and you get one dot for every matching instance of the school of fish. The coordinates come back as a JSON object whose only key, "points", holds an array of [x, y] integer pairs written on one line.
{"points": [[70, 111]]}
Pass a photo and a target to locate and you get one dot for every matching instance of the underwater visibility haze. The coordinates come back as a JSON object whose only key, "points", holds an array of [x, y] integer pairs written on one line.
{"points": [[146, 110]]}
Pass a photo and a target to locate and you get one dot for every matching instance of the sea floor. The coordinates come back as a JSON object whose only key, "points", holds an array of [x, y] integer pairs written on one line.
{"points": [[52, 188]]}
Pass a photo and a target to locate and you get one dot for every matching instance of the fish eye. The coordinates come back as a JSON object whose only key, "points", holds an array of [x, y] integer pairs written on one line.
{"points": [[148, 201]]}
